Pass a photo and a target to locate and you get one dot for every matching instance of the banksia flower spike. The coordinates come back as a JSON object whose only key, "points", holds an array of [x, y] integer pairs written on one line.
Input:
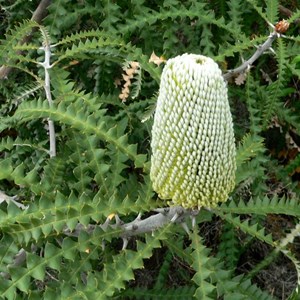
{"points": [[193, 148]]}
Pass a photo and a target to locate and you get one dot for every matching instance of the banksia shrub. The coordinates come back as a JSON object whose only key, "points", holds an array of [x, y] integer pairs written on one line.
{"points": [[193, 149]]}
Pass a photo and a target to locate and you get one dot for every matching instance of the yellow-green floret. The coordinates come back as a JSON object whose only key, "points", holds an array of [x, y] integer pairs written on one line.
{"points": [[193, 148]]}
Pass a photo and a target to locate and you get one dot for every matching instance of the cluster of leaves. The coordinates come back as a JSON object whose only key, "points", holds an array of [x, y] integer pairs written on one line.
{"points": [[103, 155]]}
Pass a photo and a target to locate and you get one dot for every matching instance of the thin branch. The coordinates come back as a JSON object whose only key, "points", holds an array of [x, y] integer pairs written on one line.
{"points": [[41, 11], [37, 16], [164, 216], [176, 214], [248, 63], [46, 65]]}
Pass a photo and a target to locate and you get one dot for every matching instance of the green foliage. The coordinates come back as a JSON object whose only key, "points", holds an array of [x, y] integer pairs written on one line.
{"points": [[264, 206], [184, 292], [249, 146], [13, 39], [272, 10], [61, 217], [200, 257], [229, 247]]}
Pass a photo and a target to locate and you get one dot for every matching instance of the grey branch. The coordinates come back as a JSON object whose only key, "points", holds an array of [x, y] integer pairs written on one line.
{"points": [[38, 15], [163, 216], [248, 63], [41, 11], [175, 214], [47, 87]]}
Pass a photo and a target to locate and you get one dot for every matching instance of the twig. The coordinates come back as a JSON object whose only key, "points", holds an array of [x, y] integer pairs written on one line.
{"points": [[136, 227], [139, 226], [41, 11], [46, 65], [280, 28], [248, 63], [38, 15]]}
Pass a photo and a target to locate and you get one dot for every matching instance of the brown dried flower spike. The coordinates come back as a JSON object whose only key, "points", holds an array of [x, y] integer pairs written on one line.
{"points": [[130, 69], [282, 26]]}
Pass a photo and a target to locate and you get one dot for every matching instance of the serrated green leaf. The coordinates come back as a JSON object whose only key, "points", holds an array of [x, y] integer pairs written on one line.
{"points": [[36, 266]]}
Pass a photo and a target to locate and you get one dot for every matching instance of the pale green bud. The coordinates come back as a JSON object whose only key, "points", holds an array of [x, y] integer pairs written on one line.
{"points": [[193, 148]]}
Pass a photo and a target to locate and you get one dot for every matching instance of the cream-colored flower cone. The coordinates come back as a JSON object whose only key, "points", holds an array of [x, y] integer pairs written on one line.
{"points": [[193, 149]]}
